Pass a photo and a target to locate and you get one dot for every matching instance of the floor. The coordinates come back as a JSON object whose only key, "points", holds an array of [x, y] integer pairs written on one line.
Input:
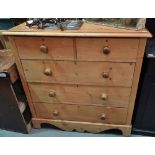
{"points": [[46, 132]]}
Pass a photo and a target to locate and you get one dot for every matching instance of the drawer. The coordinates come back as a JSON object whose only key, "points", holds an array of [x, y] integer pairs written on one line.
{"points": [[107, 49], [95, 114], [45, 48], [99, 73], [77, 94]]}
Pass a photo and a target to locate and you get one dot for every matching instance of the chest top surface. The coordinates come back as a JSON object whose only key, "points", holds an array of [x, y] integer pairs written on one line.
{"points": [[87, 30]]}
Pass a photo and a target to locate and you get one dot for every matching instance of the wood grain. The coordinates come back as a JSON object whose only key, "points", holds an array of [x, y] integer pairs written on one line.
{"points": [[81, 72], [137, 72], [7, 64], [87, 30], [6, 59], [58, 48], [121, 49], [21, 74], [82, 126], [81, 113], [78, 94], [82, 75]]}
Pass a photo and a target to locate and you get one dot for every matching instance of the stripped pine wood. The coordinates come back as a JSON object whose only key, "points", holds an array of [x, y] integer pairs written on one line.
{"points": [[83, 80]]}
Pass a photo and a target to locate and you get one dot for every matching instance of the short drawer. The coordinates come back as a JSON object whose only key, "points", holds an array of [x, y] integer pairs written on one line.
{"points": [[95, 114], [45, 47], [107, 49], [99, 73], [77, 94]]}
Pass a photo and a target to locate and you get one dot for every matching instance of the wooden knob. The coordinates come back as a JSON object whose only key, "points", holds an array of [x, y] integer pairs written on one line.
{"points": [[44, 49], [106, 50], [55, 112], [104, 96], [105, 74], [48, 71], [103, 116], [52, 94]]}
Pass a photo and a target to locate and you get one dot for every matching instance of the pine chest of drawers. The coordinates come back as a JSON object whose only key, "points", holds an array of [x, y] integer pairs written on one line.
{"points": [[84, 80]]}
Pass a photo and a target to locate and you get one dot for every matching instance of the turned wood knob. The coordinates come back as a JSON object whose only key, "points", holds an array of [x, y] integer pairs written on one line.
{"points": [[105, 74], [104, 96], [52, 94], [106, 50], [48, 71], [55, 112], [103, 116], [44, 49]]}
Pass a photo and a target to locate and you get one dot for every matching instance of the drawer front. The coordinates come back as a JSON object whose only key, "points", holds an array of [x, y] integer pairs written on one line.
{"points": [[101, 73], [49, 71], [107, 49], [45, 48], [84, 95], [95, 114]]}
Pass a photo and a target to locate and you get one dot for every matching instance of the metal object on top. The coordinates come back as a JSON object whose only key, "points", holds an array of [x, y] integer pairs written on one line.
{"points": [[55, 23]]}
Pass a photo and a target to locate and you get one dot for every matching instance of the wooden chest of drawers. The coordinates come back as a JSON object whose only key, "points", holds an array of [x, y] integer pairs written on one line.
{"points": [[84, 80]]}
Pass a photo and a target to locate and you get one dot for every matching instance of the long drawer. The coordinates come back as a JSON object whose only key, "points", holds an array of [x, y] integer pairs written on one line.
{"points": [[81, 113], [102, 73], [107, 49], [45, 47], [77, 94]]}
